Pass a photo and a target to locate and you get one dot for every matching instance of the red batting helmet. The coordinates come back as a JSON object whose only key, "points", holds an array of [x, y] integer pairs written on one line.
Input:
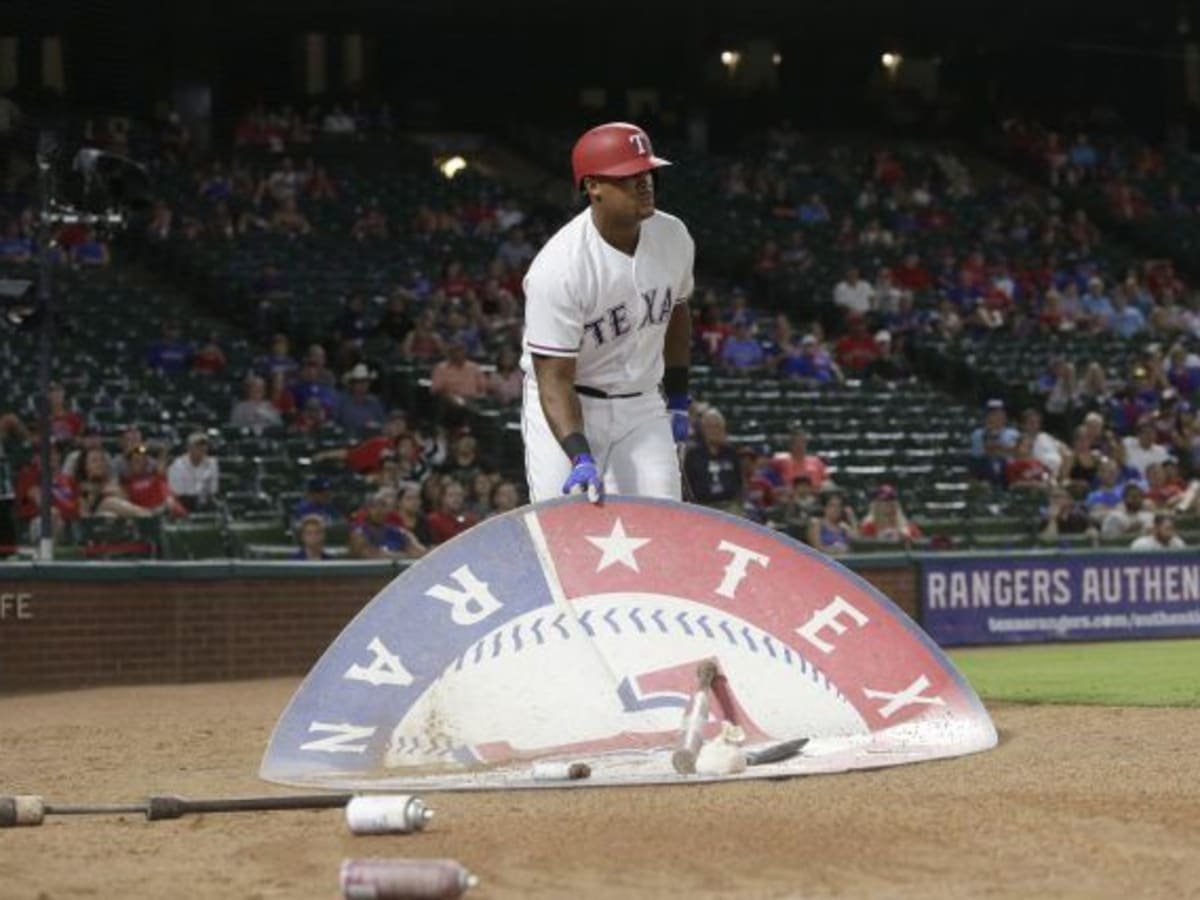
{"points": [[616, 149]]}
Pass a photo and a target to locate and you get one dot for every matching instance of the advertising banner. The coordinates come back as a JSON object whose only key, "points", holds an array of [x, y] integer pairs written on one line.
{"points": [[1017, 599]]}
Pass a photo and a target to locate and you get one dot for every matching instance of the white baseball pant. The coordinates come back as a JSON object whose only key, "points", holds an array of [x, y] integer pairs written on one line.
{"points": [[630, 438]]}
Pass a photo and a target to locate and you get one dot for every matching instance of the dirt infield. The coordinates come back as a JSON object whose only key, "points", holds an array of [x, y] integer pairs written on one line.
{"points": [[1076, 802]]}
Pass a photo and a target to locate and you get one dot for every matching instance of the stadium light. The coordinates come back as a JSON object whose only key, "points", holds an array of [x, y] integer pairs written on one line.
{"points": [[891, 61], [452, 166], [730, 59], [777, 58]]}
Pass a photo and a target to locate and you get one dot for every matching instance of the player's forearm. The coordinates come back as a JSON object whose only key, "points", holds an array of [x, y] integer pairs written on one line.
{"points": [[556, 392], [677, 346]]}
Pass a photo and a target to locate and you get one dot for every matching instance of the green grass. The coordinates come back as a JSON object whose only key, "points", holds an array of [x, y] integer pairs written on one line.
{"points": [[1135, 673]]}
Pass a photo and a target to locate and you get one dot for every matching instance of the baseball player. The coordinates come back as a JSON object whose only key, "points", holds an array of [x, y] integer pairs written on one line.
{"points": [[608, 332]]}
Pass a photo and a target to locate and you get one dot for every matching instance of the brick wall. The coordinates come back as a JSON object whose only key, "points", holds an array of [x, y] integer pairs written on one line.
{"points": [[78, 632]]}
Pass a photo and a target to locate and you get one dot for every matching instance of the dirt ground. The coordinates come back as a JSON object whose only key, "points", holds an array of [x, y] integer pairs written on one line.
{"points": [[1076, 802]]}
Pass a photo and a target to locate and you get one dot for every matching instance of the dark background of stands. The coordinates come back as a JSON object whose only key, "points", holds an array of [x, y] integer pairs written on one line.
{"points": [[466, 63]]}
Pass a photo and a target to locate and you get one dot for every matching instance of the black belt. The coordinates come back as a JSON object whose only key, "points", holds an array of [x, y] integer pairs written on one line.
{"points": [[602, 395]]}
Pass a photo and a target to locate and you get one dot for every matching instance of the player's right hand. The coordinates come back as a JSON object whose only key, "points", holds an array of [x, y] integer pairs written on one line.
{"points": [[584, 477]]}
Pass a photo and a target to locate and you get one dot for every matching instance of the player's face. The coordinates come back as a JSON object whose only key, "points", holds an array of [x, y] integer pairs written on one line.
{"points": [[630, 198]]}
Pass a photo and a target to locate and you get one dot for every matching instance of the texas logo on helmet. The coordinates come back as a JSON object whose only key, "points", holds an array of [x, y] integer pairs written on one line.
{"points": [[616, 150]]}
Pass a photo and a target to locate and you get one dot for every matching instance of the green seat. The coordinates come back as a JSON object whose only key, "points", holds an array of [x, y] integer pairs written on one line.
{"points": [[243, 534], [188, 540]]}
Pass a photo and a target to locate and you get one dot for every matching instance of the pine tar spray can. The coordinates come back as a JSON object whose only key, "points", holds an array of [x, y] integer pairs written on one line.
{"points": [[405, 879], [387, 814]]}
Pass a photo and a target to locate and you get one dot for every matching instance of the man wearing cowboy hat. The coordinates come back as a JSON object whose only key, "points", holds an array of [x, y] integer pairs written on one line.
{"points": [[360, 411]]}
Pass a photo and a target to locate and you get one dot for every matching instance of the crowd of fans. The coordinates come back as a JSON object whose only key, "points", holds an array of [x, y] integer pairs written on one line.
{"points": [[928, 254]]}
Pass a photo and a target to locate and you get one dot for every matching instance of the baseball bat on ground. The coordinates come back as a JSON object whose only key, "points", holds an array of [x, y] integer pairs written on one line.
{"points": [[30, 809], [694, 720]]}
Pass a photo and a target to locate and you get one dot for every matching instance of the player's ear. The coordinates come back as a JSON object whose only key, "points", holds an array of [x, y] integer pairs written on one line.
{"points": [[591, 188]]}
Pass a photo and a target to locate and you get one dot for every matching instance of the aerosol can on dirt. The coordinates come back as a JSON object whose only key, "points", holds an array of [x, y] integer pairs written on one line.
{"points": [[405, 879], [387, 814]]}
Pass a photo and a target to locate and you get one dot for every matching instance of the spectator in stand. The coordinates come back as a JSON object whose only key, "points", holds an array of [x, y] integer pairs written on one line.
{"points": [[1108, 492], [65, 423], [885, 519], [992, 444], [280, 395], [711, 331], [409, 513], [854, 293], [1094, 390], [506, 383], [911, 275], [100, 494], [1161, 537], [311, 532], [14, 247], [887, 366], [423, 343], [396, 322], [799, 505], [317, 183], [798, 461], [317, 501], [338, 122], [450, 519], [1024, 471], [1129, 519], [146, 486], [289, 220], [366, 457], [711, 466], [457, 380], [254, 410], [1097, 308], [504, 497], [360, 412], [807, 361], [1183, 371], [371, 224], [1047, 449], [194, 476], [813, 211], [1143, 449], [833, 531], [515, 250], [311, 418], [87, 440], [91, 251], [171, 353], [64, 501], [741, 351], [1063, 391], [1065, 517], [311, 386], [856, 350], [1126, 320], [376, 535], [464, 460]]}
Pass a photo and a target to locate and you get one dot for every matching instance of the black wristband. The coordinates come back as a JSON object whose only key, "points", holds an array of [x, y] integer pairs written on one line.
{"points": [[675, 381], [575, 444]]}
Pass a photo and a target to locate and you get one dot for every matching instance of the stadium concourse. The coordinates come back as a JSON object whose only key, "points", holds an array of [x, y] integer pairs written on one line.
{"points": [[306, 349]]}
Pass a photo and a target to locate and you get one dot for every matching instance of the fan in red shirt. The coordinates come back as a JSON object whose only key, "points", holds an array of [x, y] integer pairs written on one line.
{"points": [[146, 486], [63, 488], [450, 519], [366, 458], [1024, 470], [65, 423], [911, 275], [798, 461], [856, 350]]}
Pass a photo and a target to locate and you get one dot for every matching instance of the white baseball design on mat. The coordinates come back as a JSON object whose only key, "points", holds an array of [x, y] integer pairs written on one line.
{"points": [[538, 683]]}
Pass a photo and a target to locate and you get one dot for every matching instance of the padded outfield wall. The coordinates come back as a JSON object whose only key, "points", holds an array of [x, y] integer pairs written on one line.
{"points": [[71, 625]]}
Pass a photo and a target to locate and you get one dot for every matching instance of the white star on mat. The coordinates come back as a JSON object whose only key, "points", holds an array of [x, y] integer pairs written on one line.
{"points": [[618, 548]]}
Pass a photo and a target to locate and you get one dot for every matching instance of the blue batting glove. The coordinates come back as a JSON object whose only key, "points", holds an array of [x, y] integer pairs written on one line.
{"points": [[584, 477], [677, 406]]}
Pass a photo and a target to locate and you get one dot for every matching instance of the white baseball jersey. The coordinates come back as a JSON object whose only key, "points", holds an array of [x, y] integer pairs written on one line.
{"points": [[585, 298]]}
